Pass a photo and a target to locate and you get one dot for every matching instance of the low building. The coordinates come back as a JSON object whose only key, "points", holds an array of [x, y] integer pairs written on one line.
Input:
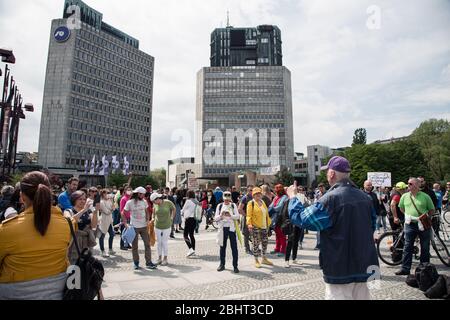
{"points": [[179, 171], [301, 169]]}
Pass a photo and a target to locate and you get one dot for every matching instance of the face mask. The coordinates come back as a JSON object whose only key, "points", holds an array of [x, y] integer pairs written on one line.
{"points": [[128, 193]]}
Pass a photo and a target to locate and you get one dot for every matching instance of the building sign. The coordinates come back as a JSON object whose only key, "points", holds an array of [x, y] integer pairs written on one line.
{"points": [[380, 179], [62, 34], [192, 182]]}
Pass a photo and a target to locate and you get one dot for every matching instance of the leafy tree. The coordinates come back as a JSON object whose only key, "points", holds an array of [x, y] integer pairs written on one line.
{"points": [[159, 177], [433, 136], [360, 136], [284, 177], [117, 179]]}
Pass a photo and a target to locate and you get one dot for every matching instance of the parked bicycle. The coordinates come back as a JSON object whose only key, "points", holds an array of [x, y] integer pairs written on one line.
{"points": [[209, 215], [390, 247]]}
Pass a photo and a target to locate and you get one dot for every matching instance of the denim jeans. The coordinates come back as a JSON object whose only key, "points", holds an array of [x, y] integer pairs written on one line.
{"points": [[122, 227], [223, 249], [111, 238], [381, 220], [411, 233]]}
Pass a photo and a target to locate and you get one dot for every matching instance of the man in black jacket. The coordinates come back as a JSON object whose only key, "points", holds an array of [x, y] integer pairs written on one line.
{"points": [[424, 188], [368, 189]]}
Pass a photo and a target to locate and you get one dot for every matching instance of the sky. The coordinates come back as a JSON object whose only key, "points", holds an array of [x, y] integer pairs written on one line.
{"points": [[379, 65]]}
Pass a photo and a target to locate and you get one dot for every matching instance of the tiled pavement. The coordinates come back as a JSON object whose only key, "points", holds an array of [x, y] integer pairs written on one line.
{"points": [[196, 278]]}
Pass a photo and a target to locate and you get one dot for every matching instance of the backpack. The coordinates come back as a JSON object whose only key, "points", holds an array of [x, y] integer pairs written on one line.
{"points": [[91, 271], [286, 226], [232, 206], [426, 276], [198, 210]]}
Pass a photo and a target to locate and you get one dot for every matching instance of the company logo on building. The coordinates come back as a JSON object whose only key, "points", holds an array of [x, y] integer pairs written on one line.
{"points": [[62, 34]]}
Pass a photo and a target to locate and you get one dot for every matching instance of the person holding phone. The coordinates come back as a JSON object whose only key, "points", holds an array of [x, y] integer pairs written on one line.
{"points": [[227, 215]]}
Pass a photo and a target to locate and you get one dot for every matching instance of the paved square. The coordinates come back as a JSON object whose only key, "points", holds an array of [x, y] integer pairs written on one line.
{"points": [[196, 278]]}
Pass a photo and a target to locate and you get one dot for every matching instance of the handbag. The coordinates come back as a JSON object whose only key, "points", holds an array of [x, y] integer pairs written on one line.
{"points": [[424, 218]]}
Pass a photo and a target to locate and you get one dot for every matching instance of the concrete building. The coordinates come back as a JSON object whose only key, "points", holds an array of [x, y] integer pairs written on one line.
{"points": [[244, 110], [260, 46], [316, 156], [98, 95], [301, 169], [178, 171]]}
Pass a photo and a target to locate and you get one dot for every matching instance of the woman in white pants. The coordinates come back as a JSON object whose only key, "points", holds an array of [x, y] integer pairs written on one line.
{"points": [[163, 215]]}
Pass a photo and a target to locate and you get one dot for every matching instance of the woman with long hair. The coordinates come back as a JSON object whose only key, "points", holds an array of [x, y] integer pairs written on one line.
{"points": [[275, 212], [106, 222], [33, 245], [188, 212], [87, 222]]}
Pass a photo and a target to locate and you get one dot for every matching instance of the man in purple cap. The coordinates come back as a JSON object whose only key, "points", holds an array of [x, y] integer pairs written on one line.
{"points": [[346, 219]]}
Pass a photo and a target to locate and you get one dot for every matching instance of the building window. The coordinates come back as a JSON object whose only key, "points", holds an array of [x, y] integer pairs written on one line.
{"points": [[264, 40]]}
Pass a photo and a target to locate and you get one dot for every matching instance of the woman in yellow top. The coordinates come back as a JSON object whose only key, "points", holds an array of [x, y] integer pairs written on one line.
{"points": [[33, 245], [258, 222]]}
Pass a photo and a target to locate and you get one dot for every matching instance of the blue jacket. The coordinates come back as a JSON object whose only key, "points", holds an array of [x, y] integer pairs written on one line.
{"points": [[64, 201], [275, 211], [346, 220]]}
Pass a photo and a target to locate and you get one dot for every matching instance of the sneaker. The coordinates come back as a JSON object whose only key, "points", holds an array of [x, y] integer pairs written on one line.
{"points": [[181, 229], [150, 265], [297, 262], [274, 252], [176, 231], [249, 252], [190, 252], [280, 254], [402, 273], [172, 236], [206, 228], [266, 261], [136, 266], [104, 254], [159, 261], [164, 262], [221, 268], [124, 248], [257, 264], [286, 264], [236, 270], [111, 252]]}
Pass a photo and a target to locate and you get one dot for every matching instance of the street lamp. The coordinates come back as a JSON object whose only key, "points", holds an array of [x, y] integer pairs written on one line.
{"points": [[7, 56]]}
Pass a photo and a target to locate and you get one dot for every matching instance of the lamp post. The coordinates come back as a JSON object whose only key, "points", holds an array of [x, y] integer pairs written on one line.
{"points": [[11, 113]]}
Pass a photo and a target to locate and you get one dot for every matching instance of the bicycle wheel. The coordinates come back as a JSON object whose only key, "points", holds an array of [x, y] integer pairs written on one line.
{"points": [[443, 232], [441, 249], [214, 224], [446, 216], [390, 248]]}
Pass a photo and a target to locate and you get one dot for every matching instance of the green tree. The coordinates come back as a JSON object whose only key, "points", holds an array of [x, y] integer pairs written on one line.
{"points": [[360, 136], [117, 179], [433, 137], [284, 177], [159, 176]]}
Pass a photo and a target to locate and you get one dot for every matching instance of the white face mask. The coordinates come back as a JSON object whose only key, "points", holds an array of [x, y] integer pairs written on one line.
{"points": [[128, 193]]}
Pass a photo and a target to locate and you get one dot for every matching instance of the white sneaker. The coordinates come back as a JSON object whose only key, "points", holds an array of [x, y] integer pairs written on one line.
{"points": [[190, 252], [286, 264], [297, 262], [104, 254]]}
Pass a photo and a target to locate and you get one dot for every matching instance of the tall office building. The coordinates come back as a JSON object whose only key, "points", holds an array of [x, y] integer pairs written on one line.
{"points": [[98, 94], [260, 46], [244, 104]]}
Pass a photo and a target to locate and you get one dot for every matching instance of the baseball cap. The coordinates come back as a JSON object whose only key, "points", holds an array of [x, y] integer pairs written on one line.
{"points": [[337, 163], [401, 185], [227, 195], [140, 190], [256, 190], [155, 196]]}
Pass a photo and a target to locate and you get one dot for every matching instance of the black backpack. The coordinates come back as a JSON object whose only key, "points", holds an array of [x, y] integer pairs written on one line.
{"points": [[92, 273], [426, 276], [285, 222]]}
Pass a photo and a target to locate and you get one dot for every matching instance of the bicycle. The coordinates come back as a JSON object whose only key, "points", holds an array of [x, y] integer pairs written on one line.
{"points": [[439, 225], [446, 215], [390, 247], [210, 220]]}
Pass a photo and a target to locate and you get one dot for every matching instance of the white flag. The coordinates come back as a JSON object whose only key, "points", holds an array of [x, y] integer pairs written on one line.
{"points": [[126, 166], [86, 166], [104, 167], [97, 167], [92, 171], [115, 164]]}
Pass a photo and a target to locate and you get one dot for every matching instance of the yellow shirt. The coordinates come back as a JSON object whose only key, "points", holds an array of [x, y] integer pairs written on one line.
{"points": [[27, 255], [256, 216]]}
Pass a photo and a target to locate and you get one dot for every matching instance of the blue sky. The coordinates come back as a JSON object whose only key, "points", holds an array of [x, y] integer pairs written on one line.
{"points": [[344, 75]]}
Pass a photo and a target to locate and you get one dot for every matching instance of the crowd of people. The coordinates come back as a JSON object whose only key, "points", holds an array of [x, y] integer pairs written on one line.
{"points": [[345, 218]]}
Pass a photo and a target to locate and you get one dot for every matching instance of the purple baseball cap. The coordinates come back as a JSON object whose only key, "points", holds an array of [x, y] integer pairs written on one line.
{"points": [[337, 163]]}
